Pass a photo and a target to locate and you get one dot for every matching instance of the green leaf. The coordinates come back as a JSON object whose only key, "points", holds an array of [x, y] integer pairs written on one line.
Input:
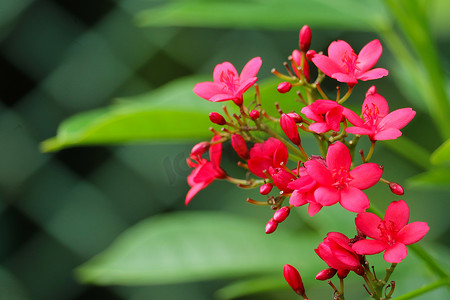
{"points": [[267, 14], [171, 112], [435, 178], [441, 156], [190, 246]]}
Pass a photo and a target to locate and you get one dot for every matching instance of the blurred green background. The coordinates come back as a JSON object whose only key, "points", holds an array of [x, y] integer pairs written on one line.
{"points": [[58, 210]]}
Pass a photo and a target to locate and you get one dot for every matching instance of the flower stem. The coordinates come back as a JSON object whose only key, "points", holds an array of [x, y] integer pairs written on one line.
{"points": [[346, 96], [369, 155]]}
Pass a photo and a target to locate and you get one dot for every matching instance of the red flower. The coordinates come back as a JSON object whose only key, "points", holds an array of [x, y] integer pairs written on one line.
{"points": [[336, 252], [228, 84], [378, 123], [205, 171], [390, 235], [338, 184], [272, 153], [327, 115], [344, 65]]}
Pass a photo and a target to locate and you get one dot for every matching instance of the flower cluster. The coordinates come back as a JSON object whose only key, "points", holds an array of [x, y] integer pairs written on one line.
{"points": [[282, 169]]}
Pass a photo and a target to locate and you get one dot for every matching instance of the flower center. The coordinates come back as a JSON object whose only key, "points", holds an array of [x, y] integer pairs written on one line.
{"points": [[341, 178], [350, 60], [371, 114], [230, 81], [387, 232]]}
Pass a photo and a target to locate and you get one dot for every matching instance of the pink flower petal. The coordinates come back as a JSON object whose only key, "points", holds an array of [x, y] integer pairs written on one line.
{"points": [[368, 223], [326, 196], [397, 119], [319, 127], [352, 117], [369, 247], [246, 85], [221, 97], [333, 118], [344, 77], [302, 184], [387, 134], [297, 199], [314, 208], [194, 190], [354, 200], [208, 89], [224, 68], [412, 233], [395, 253], [326, 64], [337, 50], [372, 74], [258, 164], [338, 157], [319, 172], [280, 156], [369, 55], [365, 175], [359, 130], [308, 112], [397, 214], [215, 151], [250, 69]]}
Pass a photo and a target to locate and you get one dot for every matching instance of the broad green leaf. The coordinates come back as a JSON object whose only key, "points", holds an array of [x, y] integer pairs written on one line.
{"points": [[267, 14], [171, 112], [441, 155], [190, 246], [434, 178]]}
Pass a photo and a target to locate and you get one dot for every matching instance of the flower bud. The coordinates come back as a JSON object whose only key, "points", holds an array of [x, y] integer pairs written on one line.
{"points": [[371, 91], [304, 38], [200, 148], [396, 188], [281, 214], [254, 114], [293, 278], [296, 117], [284, 87], [289, 127], [298, 58], [265, 188], [326, 274], [271, 226], [240, 146], [217, 118]]}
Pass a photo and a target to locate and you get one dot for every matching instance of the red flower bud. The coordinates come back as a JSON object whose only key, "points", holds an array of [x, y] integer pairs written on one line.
{"points": [[296, 117], [271, 226], [239, 145], [200, 148], [265, 188], [326, 274], [293, 278], [254, 114], [284, 87], [304, 38], [289, 127], [281, 214], [217, 118], [371, 91], [396, 188]]}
